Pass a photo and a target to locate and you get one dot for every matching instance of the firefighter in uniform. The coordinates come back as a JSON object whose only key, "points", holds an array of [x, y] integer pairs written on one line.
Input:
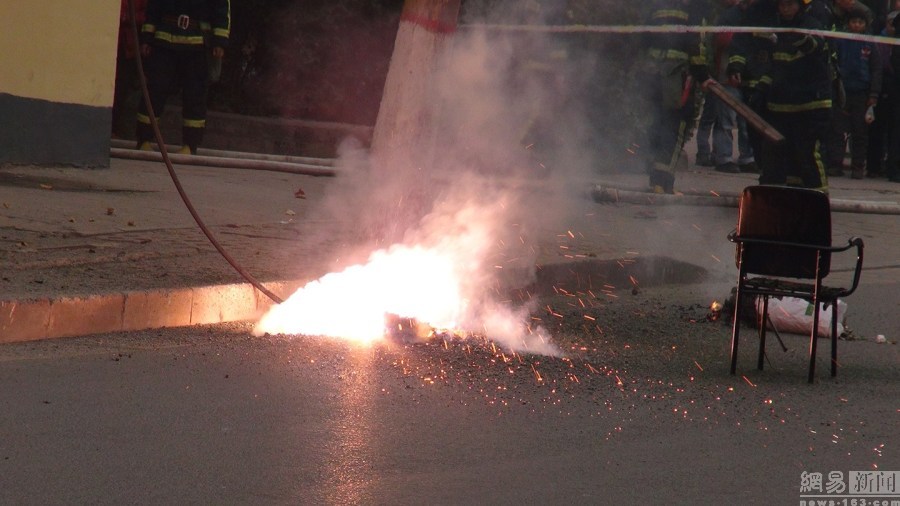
{"points": [[791, 87], [674, 63], [177, 38]]}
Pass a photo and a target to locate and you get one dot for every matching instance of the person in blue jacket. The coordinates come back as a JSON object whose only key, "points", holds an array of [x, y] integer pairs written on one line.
{"points": [[861, 70]]}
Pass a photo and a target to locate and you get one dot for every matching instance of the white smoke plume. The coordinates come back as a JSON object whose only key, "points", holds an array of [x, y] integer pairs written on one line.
{"points": [[502, 159]]}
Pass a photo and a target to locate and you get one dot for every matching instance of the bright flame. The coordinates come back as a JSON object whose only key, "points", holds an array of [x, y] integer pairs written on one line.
{"points": [[411, 282], [442, 282]]}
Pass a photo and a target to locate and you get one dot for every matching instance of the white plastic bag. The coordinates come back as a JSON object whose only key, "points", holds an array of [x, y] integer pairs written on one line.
{"points": [[790, 314]]}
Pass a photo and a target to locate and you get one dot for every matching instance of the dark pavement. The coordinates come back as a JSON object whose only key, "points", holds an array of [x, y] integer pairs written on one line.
{"points": [[643, 410]]}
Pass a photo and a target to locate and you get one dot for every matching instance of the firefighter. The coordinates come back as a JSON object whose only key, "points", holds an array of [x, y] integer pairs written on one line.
{"points": [[177, 38], [750, 59], [792, 89], [673, 65]]}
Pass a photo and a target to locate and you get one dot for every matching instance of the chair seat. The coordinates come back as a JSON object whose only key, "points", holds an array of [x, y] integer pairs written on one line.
{"points": [[784, 287], [784, 249]]}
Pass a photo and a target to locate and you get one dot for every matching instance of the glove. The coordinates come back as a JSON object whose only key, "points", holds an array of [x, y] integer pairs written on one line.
{"points": [[734, 68], [756, 98], [700, 73]]}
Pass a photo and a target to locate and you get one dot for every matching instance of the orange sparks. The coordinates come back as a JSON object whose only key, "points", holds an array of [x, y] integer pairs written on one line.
{"points": [[748, 381], [591, 368], [537, 375], [716, 258], [619, 382], [698, 365], [591, 318], [570, 234]]}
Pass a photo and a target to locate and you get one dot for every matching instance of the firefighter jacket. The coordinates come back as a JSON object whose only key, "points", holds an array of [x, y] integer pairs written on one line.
{"points": [[679, 49], [800, 78], [751, 53], [187, 24], [792, 70]]}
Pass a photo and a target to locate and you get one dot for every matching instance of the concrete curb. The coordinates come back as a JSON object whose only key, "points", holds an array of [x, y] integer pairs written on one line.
{"points": [[50, 318]]}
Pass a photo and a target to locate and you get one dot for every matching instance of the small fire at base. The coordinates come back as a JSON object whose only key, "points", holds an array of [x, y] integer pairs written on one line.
{"points": [[407, 330], [435, 289], [715, 311]]}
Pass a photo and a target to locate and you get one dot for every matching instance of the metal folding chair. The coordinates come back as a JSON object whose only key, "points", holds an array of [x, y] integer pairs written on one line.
{"points": [[783, 237]]}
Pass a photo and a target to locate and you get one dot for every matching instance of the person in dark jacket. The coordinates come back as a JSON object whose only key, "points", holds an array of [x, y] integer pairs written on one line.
{"points": [[881, 130], [892, 167], [674, 64], [861, 70], [793, 92], [177, 38]]}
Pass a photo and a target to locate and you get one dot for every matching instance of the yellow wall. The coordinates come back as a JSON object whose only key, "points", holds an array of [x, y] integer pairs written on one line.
{"points": [[61, 51]]}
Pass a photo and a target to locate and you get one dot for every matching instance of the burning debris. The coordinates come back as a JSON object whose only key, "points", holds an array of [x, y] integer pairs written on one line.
{"points": [[441, 286], [715, 311]]}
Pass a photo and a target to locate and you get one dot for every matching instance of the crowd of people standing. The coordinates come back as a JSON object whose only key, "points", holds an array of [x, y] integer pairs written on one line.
{"points": [[824, 93]]}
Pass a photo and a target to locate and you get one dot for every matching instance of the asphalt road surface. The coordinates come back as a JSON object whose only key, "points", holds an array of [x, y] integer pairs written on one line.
{"points": [[641, 411]]}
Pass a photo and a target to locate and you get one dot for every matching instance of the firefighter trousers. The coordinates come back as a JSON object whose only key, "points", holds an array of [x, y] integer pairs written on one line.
{"points": [[672, 124], [796, 161], [168, 71]]}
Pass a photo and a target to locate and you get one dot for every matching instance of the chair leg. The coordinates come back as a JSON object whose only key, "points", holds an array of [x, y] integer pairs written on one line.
{"points": [[763, 320], [736, 328], [813, 338], [834, 337]]}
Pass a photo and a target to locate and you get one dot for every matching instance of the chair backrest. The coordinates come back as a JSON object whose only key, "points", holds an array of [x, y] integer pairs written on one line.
{"points": [[781, 213]]}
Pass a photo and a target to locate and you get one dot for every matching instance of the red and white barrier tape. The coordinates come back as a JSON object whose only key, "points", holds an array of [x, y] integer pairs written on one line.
{"points": [[633, 29]]}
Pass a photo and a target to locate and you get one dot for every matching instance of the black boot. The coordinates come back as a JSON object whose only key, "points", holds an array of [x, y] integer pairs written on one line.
{"points": [[662, 181]]}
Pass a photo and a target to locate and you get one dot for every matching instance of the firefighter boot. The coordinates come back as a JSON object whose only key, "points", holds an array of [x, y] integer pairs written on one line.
{"points": [[662, 181], [144, 133], [191, 138]]}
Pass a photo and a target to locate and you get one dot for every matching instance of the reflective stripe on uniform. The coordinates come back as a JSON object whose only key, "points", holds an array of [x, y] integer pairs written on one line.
{"points": [[809, 106], [671, 13], [195, 40], [668, 54], [194, 123], [787, 57]]}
